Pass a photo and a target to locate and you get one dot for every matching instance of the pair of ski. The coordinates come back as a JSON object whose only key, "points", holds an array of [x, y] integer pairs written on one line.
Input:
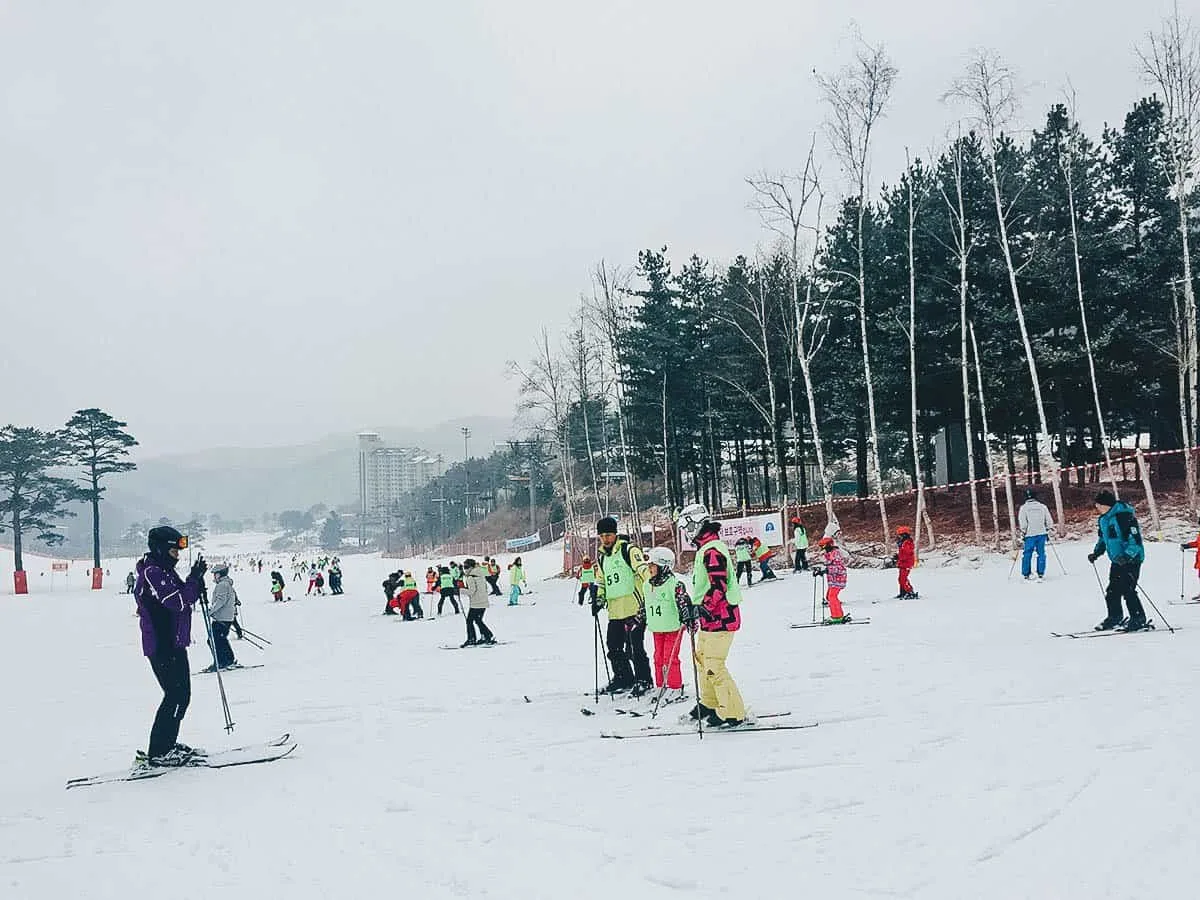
{"points": [[1149, 626], [476, 646], [827, 623], [209, 670], [250, 754], [750, 725]]}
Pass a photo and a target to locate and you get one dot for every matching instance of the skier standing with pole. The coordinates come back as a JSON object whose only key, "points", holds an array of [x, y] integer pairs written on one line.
{"points": [[1119, 535], [164, 604], [716, 595], [221, 609], [1035, 521], [623, 571]]}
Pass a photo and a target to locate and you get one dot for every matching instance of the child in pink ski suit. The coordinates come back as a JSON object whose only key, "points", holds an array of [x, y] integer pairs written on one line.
{"points": [[834, 569]]}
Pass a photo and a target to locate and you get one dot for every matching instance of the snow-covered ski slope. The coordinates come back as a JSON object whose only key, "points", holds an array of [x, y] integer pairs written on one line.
{"points": [[962, 752]]}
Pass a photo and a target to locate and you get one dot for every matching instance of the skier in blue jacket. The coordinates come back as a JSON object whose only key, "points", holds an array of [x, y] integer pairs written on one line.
{"points": [[1120, 537]]}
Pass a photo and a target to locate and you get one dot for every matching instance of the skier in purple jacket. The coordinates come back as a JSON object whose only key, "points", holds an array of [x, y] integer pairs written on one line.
{"points": [[164, 605]]}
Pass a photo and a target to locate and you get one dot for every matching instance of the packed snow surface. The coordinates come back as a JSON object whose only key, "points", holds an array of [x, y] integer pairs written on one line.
{"points": [[962, 751]]}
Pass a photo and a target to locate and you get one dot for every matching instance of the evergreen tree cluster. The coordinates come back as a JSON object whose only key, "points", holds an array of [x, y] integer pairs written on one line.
{"points": [[714, 405]]}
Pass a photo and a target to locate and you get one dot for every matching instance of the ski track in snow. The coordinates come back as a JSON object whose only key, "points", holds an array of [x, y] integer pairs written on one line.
{"points": [[962, 752]]}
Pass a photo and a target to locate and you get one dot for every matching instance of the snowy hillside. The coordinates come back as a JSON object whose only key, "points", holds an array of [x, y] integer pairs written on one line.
{"points": [[962, 752]]}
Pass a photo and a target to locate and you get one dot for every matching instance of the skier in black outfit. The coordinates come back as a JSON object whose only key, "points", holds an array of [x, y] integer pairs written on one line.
{"points": [[164, 604]]}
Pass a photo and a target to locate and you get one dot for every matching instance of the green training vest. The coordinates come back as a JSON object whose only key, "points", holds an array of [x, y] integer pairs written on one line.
{"points": [[588, 575], [662, 613], [446, 581], [700, 579]]}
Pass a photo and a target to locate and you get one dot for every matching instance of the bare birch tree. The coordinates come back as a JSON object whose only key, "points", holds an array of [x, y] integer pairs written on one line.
{"points": [[784, 202], [545, 389], [584, 366], [988, 89], [1008, 492], [1068, 153], [610, 288], [962, 242], [912, 206], [856, 97], [1171, 62], [753, 300]]}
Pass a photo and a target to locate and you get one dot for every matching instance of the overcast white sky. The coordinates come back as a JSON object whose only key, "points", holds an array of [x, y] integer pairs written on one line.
{"points": [[257, 223]]}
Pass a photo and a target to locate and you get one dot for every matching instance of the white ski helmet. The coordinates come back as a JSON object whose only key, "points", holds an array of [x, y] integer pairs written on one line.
{"points": [[663, 557], [691, 518]]}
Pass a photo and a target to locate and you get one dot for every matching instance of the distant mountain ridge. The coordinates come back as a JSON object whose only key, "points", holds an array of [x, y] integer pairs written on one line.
{"points": [[243, 482]]}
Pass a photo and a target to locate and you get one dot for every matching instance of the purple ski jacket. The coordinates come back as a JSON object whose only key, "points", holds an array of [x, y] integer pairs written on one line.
{"points": [[164, 605]]}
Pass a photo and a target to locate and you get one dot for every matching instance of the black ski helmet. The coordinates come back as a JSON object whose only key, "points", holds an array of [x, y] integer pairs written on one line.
{"points": [[163, 537]]}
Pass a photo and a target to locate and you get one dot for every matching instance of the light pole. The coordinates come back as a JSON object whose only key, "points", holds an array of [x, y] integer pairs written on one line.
{"points": [[466, 433]]}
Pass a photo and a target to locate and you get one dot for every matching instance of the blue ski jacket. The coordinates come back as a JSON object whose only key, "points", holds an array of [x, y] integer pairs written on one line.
{"points": [[1119, 535]]}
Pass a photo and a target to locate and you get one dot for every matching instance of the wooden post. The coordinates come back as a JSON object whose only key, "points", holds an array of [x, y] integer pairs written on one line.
{"points": [[1142, 467]]}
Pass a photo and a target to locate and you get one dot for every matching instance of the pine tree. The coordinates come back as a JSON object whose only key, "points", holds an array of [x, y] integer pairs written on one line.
{"points": [[99, 444], [30, 499]]}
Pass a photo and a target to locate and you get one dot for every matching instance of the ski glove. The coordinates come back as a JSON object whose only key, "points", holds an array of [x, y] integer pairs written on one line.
{"points": [[1092, 557], [597, 605], [199, 567], [817, 571]]}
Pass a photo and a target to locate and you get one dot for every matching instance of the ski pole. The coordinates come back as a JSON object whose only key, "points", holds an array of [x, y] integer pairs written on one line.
{"points": [[257, 637], [1182, 569], [596, 653], [1155, 608], [253, 643], [1056, 556], [665, 669], [603, 658], [1013, 567], [696, 680], [814, 616], [1099, 583], [216, 666]]}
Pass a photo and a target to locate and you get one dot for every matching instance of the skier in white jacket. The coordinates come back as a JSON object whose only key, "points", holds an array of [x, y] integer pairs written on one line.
{"points": [[221, 609], [1036, 523]]}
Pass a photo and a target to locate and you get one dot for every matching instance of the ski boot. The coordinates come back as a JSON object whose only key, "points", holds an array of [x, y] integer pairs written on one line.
{"points": [[640, 689], [1109, 624]]}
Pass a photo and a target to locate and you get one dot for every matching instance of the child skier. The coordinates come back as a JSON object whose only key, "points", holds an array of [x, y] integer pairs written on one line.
{"points": [[905, 559], [1193, 545], [277, 586], [799, 545], [516, 579], [741, 553], [446, 584], [431, 580], [410, 598], [668, 607], [762, 555], [587, 574], [493, 576], [834, 569]]}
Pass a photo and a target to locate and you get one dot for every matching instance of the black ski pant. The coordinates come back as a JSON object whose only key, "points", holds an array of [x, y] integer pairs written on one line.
{"points": [[494, 581], [448, 594], [586, 590], [414, 610], [801, 562], [175, 678], [747, 567], [221, 648], [475, 617], [1122, 584], [627, 650]]}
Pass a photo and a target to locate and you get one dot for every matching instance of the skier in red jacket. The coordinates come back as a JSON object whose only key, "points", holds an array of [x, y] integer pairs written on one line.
{"points": [[905, 559]]}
